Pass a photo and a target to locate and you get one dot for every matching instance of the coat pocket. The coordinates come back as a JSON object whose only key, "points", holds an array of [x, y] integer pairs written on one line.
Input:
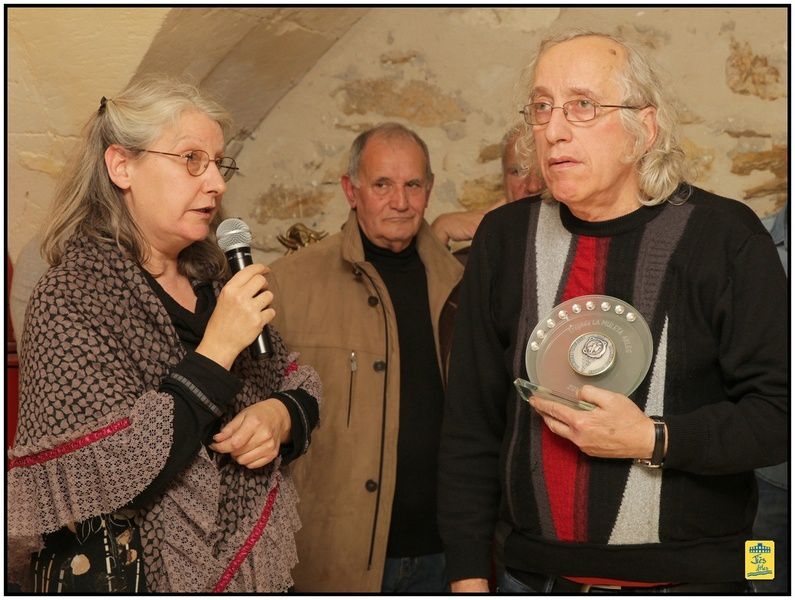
{"points": [[352, 382]]}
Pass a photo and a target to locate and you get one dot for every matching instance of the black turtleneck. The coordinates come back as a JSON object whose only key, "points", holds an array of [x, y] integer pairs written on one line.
{"points": [[413, 530]]}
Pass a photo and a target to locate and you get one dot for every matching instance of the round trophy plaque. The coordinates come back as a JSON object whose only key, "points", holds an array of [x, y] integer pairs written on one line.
{"points": [[595, 339], [592, 354]]}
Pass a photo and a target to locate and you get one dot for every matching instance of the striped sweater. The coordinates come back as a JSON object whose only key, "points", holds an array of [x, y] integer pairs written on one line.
{"points": [[705, 275]]}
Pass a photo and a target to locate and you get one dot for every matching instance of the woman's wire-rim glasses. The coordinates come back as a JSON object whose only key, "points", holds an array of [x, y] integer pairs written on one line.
{"points": [[197, 162]]}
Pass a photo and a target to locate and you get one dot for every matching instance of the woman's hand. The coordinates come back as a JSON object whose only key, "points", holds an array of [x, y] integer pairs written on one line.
{"points": [[254, 436], [239, 316]]}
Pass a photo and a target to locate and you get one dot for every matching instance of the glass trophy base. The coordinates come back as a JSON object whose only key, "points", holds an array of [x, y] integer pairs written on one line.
{"points": [[528, 388]]}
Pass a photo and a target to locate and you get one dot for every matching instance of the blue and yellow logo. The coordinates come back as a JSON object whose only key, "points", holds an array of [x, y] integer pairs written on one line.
{"points": [[760, 559]]}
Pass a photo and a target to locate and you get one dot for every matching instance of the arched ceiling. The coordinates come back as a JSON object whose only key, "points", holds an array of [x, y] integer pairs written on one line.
{"points": [[61, 60], [247, 58]]}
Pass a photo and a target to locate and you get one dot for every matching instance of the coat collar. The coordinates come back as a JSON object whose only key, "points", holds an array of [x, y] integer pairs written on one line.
{"points": [[437, 259]]}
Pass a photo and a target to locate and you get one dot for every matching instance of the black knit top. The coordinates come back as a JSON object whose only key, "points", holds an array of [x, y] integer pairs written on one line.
{"points": [[705, 275], [413, 530]]}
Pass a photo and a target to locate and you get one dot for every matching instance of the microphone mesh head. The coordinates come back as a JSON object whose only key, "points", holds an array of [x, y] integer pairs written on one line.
{"points": [[233, 233]]}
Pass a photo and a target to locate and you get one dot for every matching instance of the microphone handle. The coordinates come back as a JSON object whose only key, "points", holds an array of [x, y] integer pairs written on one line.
{"points": [[240, 258]]}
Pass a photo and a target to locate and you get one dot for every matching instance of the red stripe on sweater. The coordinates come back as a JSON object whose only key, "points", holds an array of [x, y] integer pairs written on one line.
{"points": [[620, 582], [566, 471]]}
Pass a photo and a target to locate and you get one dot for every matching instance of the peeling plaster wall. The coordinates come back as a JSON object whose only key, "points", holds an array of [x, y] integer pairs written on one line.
{"points": [[61, 61], [303, 82], [451, 74]]}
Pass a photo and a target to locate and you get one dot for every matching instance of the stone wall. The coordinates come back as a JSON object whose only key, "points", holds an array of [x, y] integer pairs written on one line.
{"points": [[61, 61], [452, 74], [304, 82]]}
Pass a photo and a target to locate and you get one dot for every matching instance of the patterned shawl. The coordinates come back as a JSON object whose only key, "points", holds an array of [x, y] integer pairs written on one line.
{"points": [[93, 432]]}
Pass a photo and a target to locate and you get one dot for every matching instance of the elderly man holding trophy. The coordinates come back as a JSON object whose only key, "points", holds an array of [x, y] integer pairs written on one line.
{"points": [[620, 357]]}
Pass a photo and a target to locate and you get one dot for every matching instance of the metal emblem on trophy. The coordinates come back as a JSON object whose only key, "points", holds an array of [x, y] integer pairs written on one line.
{"points": [[594, 339]]}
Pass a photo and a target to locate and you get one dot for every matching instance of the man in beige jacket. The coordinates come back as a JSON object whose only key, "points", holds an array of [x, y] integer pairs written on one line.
{"points": [[363, 307]]}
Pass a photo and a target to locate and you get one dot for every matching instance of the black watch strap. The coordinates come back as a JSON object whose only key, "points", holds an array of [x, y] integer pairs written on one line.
{"points": [[656, 460]]}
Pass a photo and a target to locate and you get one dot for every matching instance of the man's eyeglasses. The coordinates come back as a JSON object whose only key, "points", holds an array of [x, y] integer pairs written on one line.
{"points": [[575, 111], [197, 162]]}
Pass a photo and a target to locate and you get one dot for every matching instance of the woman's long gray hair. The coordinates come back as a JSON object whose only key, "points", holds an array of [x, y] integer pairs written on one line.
{"points": [[88, 201]]}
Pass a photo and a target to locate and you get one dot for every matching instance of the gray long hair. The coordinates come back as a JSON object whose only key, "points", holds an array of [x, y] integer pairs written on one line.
{"points": [[87, 201], [663, 167]]}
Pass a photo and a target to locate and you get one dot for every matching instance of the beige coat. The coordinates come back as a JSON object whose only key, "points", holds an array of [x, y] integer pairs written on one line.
{"points": [[333, 308]]}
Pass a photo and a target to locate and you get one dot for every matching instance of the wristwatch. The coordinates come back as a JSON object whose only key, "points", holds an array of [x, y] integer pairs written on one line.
{"points": [[656, 460]]}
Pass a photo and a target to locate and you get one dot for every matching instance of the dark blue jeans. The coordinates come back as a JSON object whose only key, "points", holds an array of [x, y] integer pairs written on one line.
{"points": [[772, 523], [508, 584], [415, 574]]}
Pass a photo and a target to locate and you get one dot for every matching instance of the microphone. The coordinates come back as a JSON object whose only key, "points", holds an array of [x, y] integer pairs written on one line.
{"points": [[234, 238]]}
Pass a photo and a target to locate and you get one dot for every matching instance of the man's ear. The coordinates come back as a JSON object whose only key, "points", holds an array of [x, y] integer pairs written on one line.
{"points": [[117, 163], [349, 189], [649, 117]]}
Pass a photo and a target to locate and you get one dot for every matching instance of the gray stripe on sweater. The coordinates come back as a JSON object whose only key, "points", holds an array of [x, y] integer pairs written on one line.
{"points": [[660, 239], [553, 247], [551, 252], [638, 520]]}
